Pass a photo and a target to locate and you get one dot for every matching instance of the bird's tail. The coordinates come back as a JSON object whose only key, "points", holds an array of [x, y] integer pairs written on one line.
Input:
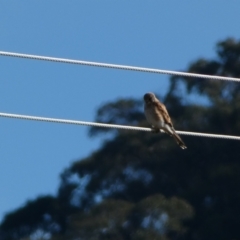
{"points": [[179, 140], [171, 131]]}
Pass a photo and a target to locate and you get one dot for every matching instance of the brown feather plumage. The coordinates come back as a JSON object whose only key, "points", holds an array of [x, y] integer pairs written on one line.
{"points": [[157, 115]]}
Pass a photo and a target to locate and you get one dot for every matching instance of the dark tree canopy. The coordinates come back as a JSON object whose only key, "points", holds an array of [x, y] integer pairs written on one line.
{"points": [[141, 185]]}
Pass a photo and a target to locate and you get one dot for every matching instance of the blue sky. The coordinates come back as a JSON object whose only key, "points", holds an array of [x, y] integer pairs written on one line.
{"points": [[158, 34]]}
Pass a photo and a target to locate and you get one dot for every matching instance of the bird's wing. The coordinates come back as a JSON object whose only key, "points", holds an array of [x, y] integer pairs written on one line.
{"points": [[162, 109]]}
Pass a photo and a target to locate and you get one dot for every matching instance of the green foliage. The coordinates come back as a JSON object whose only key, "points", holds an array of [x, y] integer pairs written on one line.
{"points": [[103, 221], [117, 219], [141, 185], [123, 111], [37, 214]]}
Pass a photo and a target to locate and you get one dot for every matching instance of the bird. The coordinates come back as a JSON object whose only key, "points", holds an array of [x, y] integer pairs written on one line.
{"points": [[158, 117]]}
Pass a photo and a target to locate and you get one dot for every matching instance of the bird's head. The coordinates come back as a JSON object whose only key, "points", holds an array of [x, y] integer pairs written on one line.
{"points": [[149, 98]]}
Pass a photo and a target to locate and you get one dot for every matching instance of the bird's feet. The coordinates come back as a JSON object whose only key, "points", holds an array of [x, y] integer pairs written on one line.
{"points": [[156, 130]]}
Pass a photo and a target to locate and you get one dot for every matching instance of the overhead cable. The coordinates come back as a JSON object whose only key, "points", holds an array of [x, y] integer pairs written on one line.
{"points": [[123, 127], [117, 66]]}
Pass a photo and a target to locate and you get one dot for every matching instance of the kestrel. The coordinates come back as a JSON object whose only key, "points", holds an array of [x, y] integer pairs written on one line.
{"points": [[157, 115]]}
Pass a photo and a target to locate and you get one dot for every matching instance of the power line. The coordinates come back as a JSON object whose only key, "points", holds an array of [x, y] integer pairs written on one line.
{"points": [[94, 124], [116, 66]]}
